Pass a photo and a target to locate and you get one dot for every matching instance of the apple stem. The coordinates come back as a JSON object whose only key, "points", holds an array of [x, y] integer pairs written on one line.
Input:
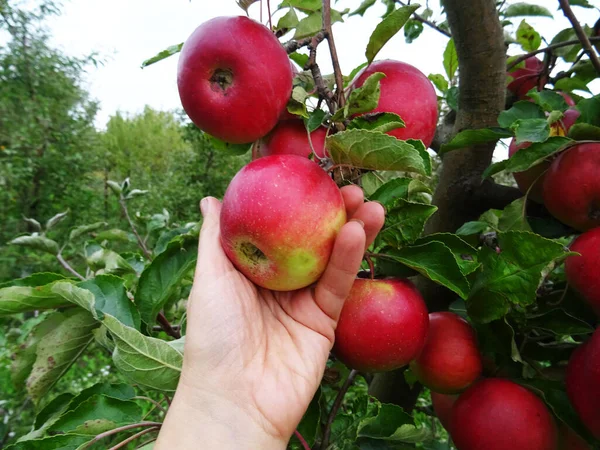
{"points": [[337, 403], [302, 440], [371, 266]]}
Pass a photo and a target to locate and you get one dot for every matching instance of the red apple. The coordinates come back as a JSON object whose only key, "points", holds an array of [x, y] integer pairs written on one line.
{"points": [[280, 217], [526, 78], [571, 187], [289, 137], [569, 440], [450, 360], [442, 406], [382, 327], [407, 92], [227, 90], [497, 414], [582, 271], [583, 382]]}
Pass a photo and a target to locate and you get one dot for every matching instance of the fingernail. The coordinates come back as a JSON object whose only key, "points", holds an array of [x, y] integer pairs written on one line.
{"points": [[205, 206], [360, 222]]}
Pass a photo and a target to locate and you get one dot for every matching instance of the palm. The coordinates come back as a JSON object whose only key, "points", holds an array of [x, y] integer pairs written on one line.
{"points": [[268, 349]]}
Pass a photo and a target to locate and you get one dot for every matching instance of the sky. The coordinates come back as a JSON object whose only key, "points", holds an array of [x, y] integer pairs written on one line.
{"points": [[126, 32]]}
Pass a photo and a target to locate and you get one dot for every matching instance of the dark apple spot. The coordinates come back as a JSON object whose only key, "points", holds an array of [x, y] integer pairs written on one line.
{"points": [[221, 79], [252, 252]]}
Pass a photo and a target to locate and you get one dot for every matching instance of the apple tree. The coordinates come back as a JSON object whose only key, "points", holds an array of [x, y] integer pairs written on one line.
{"points": [[487, 268]]}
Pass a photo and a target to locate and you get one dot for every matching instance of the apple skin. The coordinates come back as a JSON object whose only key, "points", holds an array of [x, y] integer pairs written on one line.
{"points": [[280, 217], [450, 361], [582, 271], [407, 92], [527, 78], [583, 382], [442, 406], [224, 88], [569, 440], [383, 325], [571, 187], [289, 137], [497, 414]]}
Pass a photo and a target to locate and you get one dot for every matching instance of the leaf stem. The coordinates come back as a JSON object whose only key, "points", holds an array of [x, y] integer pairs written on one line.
{"points": [[133, 438], [166, 325], [68, 267], [302, 440], [336, 406], [429, 23], [120, 429], [583, 38], [154, 402]]}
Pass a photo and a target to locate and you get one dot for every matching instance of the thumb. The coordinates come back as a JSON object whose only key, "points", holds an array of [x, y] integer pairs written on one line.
{"points": [[211, 257]]}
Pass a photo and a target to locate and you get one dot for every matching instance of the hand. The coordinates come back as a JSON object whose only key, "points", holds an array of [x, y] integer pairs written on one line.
{"points": [[255, 357]]}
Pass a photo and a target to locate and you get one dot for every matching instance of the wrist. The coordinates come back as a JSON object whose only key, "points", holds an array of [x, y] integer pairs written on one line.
{"points": [[214, 421]]}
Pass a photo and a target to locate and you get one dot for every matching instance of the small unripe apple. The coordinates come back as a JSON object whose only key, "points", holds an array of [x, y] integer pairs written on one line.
{"points": [[280, 217], [583, 382], [225, 88], [571, 187], [382, 327], [497, 414], [442, 406], [582, 271], [526, 78], [289, 137], [450, 360], [406, 91]]}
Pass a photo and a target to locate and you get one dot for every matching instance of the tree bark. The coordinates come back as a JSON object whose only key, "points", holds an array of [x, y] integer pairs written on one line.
{"points": [[461, 195]]}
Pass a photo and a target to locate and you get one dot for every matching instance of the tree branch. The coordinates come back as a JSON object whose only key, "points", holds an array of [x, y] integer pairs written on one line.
{"points": [[292, 46], [68, 267], [339, 79], [585, 42], [548, 49], [133, 228], [166, 325], [336, 406], [133, 438], [429, 23], [312, 65], [120, 429]]}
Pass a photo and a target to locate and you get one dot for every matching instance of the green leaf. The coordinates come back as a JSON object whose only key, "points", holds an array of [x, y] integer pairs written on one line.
{"points": [[380, 121], [536, 153], [526, 9], [531, 130], [304, 5], [450, 59], [17, 299], [55, 220], [387, 421], [84, 229], [364, 98], [529, 39], [520, 110], [513, 276], [315, 119], [549, 100], [313, 23], [47, 416], [355, 72], [434, 260], [366, 4], [34, 280], [375, 150], [469, 138], [387, 29], [397, 188], [299, 58], [309, 425], [114, 235], [58, 350], [452, 97], [107, 261], [470, 228], [464, 254], [160, 279], [230, 149], [582, 3], [405, 221], [513, 217], [590, 111], [584, 132], [297, 102], [568, 53], [60, 442], [439, 82], [288, 21], [144, 360], [245, 4], [169, 51], [169, 235], [571, 84], [412, 30], [37, 243], [559, 323], [111, 298]]}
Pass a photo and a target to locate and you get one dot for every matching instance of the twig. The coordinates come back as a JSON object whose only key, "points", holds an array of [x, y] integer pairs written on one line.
{"points": [[549, 49], [269, 12], [302, 440], [292, 46], [421, 19], [143, 444], [120, 429], [68, 267], [133, 438], [339, 79], [585, 41], [336, 406], [312, 65], [134, 229], [154, 402], [166, 325]]}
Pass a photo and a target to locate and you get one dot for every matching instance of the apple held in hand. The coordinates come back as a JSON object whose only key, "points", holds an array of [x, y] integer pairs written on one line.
{"points": [[406, 91], [571, 187], [280, 217], [450, 360], [382, 327], [583, 271], [227, 90], [497, 414], [290, 137], [528, 77]]}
